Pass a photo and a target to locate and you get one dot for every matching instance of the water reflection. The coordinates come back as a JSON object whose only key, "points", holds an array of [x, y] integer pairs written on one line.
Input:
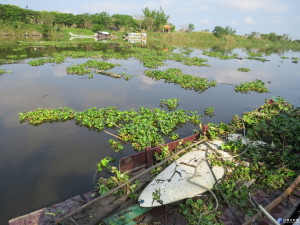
{"points": [[40, 165]]}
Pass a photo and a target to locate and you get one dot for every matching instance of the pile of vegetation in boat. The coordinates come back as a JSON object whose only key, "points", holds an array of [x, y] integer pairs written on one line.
{"points": [[273, 165]]}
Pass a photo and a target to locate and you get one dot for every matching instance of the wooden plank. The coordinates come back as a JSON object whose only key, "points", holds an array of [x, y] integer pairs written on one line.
{"points": [[140, 160]]}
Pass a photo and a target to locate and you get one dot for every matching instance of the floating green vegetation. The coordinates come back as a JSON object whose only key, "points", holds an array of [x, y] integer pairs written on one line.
{"points": [[175, 75], [41, 61], [3, 71], [256, 56], [86, 68], [81, 54], [220, 55], [190, 61], [100, 65], [253, 54], [295, 60], [150, 58], [242, 69], [145, 127], [170, 103], [40, 115], [126, 76], [209, 111], [256, 85], [186, 51], [284, 57], [78, 69]]}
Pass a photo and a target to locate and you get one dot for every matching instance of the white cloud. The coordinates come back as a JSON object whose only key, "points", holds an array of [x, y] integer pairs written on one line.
{"points": [[265, 5], [249, 20]]}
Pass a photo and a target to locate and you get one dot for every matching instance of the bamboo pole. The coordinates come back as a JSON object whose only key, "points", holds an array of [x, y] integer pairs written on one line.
{"points": [[127, 182], [274, 203]]}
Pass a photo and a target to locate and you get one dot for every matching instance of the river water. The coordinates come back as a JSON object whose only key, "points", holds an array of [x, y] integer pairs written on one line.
{"points": [[42, 165]]}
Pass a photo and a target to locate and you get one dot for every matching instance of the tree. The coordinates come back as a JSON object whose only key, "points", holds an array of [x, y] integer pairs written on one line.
{"points": [[191, 27], [160, 19], [149, 18], [273, 37], [102, 19], [218, 31], [84, 21], [47, 17], [230, 31], [154, 20], [96, 27], [140, 19], [11, 13], [67, 19], [126, 21]]}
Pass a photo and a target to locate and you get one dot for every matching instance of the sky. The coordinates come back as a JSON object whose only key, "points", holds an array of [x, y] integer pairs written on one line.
{"points": [[246, 16]]}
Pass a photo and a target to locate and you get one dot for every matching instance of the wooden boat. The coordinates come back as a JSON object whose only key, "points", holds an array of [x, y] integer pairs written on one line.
{"points": [[103, 35], [81, 36], [100, 35], [94, 208], [144, 159], [135, 36]]}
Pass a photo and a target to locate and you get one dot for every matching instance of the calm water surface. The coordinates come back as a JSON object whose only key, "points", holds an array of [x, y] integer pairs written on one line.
{"points": [[43, 165]]}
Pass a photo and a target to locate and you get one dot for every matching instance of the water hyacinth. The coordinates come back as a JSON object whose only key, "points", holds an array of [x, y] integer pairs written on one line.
{"points": [[256, 85], [3, 71], [143, 127], [175, 75], [220, 55], [242, 69], [41, 61], [86, 68]]}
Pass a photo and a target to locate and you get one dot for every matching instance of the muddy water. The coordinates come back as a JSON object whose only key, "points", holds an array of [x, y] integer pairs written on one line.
{"points": [[49, 163]]}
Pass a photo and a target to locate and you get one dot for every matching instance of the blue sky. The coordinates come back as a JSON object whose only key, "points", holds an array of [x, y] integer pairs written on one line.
{"points": [[264, 16]]}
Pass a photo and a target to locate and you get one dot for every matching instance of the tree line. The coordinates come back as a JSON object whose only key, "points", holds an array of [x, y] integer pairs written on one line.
{"points": [[149, 20], [152, 20]]}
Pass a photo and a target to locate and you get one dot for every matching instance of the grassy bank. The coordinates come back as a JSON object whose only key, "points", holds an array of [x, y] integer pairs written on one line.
{"points": [[208, 40], [189, 39]]}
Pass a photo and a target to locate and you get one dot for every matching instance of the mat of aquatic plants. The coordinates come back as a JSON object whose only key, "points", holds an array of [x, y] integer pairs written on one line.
{"points": [[162, 92]]}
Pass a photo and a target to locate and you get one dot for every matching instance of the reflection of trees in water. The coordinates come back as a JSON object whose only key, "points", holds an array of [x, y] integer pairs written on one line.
{"points": [[220, 48], [21, 52]]}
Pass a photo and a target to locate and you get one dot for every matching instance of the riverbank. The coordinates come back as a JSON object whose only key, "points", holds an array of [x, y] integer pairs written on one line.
{"points": [[179, 38]]}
